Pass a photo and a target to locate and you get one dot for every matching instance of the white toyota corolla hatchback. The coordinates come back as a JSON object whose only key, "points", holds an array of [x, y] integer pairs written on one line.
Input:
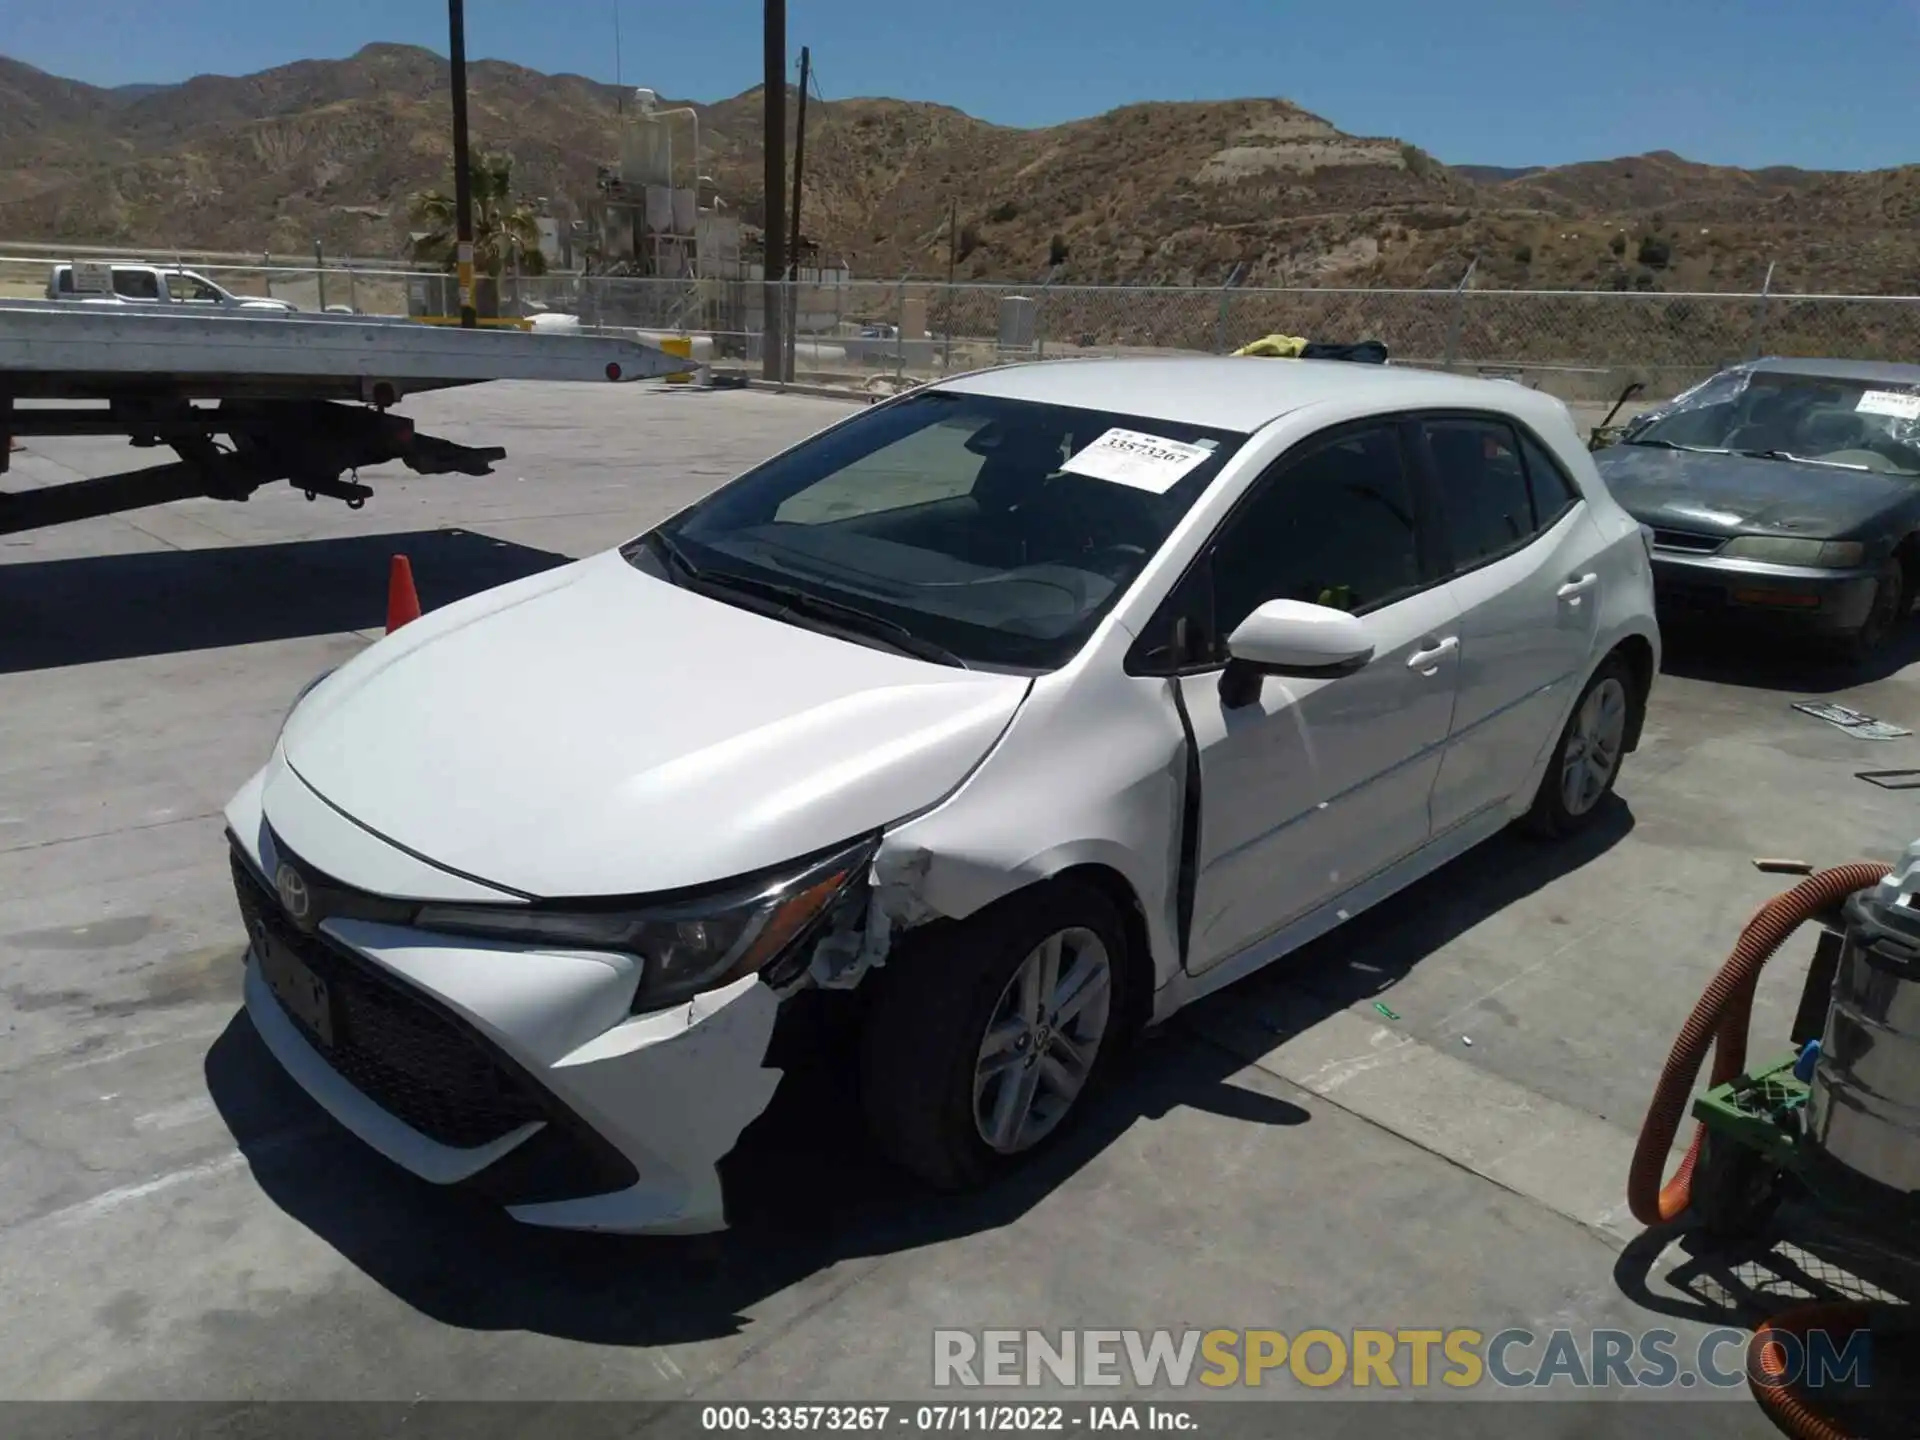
{"points": [[1014, 713]]}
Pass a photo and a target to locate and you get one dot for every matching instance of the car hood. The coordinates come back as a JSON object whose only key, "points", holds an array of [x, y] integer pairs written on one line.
{"points": [[1721, 494], [595, 731]]}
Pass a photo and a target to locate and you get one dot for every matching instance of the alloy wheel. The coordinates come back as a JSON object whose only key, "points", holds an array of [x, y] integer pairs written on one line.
{"points": [[1593, 746], [1042, 1040]]}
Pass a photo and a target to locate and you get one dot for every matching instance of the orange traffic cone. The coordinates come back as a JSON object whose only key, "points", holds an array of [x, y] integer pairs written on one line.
{"points": [[403, 601]]}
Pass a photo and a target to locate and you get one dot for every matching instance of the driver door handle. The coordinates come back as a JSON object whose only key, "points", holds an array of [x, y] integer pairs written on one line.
{"points": [[1578, 586], [1428, 660]]}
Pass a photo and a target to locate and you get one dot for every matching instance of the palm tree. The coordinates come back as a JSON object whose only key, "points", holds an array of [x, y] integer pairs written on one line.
{"points": [[505, 231]]}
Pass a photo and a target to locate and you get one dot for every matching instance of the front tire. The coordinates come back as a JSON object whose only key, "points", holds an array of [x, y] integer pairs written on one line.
{"points": [[988, 1034], [1586, 762]]}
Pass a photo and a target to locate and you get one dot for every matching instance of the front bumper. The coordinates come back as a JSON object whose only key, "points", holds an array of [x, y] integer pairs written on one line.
{"points": [[1710, 588], [512, 1073]]}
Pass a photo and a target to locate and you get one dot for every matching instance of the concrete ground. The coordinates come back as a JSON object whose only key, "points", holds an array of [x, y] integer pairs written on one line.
{"points": [[176, 1221]]}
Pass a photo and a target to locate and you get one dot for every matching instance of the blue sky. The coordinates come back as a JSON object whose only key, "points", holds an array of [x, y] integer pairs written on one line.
{"points": [[1819, 83]]}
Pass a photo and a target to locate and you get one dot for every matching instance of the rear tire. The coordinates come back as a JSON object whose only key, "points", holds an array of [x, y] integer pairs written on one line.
{"points": [[965, 1011], [1586, 762], [1884, 615]]}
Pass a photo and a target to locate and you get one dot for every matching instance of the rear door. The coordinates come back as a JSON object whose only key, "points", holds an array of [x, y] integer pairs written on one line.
{"points": [[1521, 552]]}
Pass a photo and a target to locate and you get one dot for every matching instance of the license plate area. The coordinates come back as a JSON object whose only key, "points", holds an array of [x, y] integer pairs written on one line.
{"points": [[302, 993]]}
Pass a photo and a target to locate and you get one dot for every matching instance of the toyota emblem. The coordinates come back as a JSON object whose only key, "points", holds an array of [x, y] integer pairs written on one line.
{"points": [[293, 892]]}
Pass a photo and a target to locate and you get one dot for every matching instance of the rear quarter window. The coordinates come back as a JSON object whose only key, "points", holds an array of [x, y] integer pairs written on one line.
{"points": [[1554, 493]]}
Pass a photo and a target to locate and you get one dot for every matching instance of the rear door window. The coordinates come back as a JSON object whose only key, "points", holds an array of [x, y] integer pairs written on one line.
{"points": [[136, 284], [1483, 488]]}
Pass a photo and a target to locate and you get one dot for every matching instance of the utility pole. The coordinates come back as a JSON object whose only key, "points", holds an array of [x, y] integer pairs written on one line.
{"points": [[793, 235], [462, 179], [774, 267]]}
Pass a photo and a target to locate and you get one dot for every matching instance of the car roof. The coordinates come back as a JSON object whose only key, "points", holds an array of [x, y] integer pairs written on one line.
{"points": [[1242, 393], [1889, 372]]}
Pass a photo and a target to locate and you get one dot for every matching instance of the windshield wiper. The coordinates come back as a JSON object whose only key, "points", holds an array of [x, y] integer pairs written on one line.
{"points": [[1676, 445], [670, 551], [1800, 459], [789, 600]]}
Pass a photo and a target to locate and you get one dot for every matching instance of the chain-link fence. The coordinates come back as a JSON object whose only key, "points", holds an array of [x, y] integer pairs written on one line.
{"points": [[1582, 345]]}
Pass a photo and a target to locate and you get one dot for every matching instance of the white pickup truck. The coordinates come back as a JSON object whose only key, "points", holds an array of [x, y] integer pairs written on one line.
{"points": [[100, 283]]}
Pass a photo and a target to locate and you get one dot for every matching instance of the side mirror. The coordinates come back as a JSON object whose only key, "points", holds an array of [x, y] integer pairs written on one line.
{"points": [[1291, 637]]}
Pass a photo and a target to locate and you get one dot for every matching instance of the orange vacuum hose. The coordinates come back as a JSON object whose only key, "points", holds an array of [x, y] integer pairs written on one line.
{"points": [[1767, 1373], [1720, 1020]]}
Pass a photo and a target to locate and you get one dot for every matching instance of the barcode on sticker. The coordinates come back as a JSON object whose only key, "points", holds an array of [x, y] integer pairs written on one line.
{"points": [[1890, 402], [1145, 462]]}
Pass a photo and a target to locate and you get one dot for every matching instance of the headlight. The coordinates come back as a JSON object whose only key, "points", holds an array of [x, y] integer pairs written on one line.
{"points": [[684, 948], [1787, 550], [305, 690]]}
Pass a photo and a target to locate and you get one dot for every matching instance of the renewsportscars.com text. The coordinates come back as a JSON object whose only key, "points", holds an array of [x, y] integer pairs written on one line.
{"points": [[1412, 1359]]}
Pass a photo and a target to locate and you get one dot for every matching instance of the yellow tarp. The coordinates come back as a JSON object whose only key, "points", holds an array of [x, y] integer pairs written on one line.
{"points": [[1284, 347]]}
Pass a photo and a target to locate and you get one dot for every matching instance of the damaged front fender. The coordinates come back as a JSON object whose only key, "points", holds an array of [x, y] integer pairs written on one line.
{"points": [[1023, 816], [894, 885]]}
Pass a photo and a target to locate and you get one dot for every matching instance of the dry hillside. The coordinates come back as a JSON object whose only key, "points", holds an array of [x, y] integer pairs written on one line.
{"points": [[1162, 192]]}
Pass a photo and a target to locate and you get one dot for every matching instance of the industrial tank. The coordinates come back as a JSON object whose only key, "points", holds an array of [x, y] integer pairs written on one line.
{"points": [[1864, 1110]]}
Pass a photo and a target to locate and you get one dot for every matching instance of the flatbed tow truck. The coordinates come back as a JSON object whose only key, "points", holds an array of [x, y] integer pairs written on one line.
{"points": [[244, 400]]}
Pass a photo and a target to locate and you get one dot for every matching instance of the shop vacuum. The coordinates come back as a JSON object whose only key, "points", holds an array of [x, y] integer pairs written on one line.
{"points": [[1833, 1123]]}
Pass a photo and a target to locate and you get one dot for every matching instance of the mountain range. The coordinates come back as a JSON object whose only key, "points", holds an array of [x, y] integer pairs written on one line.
{"points": [[1160, 192]]}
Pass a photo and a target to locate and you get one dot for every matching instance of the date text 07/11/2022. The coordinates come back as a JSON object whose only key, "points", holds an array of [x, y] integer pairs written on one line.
{"points": [[946, 1418]]}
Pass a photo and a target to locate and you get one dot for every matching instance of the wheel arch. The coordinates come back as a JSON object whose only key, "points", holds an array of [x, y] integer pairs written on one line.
{"points": [[1637, 651], [1907, 553], [1108, 880], [1133, 921]]}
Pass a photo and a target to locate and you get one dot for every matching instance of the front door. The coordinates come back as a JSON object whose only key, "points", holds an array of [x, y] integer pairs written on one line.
{"points": [[1319, 783], [1521, 551]]}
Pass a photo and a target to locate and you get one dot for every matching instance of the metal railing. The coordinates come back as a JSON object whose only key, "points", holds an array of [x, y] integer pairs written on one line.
{"points": [[882, 334]]}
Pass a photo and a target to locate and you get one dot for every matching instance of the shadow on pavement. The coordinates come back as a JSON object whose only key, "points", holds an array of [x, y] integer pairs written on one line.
{"points": [[1363, 959], [1755, 660], [110, 607], [806, 1190], [1802, 1259]]}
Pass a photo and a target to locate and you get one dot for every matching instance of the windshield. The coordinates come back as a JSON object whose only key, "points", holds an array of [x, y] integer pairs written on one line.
{"points": [[1863, 424], [996, 531]]}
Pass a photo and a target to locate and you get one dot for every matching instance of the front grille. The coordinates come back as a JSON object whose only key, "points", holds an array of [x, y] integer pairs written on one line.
{"points": [[1687, 542], [416, 1062]]}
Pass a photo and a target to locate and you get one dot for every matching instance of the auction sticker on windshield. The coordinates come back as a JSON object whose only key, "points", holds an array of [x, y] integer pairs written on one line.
{"points": [[1890, 402], [1145, 462]]}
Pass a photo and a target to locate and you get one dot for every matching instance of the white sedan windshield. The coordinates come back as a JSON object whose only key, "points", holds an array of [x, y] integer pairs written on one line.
{"points": [[997, 530]]}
